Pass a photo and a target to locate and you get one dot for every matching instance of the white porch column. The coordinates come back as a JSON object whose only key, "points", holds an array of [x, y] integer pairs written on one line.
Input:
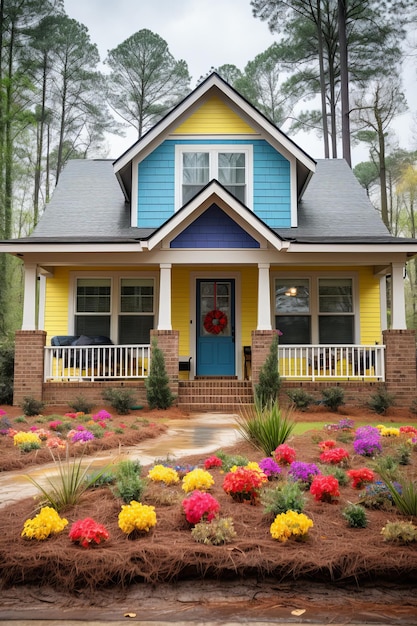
{"points": [[264, 298], [383, 301], [164, 314], [29, 298], [398, 320]]}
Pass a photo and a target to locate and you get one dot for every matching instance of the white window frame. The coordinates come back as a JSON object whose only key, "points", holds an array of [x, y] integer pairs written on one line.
{"points": [[213, 150], [115, 286], [314, 313]]}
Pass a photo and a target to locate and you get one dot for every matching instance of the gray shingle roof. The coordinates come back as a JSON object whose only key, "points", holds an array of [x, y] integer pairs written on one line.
{"points": [[88, 205]]}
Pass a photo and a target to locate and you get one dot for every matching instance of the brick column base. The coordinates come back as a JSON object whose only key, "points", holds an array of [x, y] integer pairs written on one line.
{"points": [[168, 342], [261, 344], [400, 365], [28, 365]]}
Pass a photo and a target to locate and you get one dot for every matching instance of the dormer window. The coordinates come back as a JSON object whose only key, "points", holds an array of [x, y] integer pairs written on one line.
{"points": [[198, 165]]}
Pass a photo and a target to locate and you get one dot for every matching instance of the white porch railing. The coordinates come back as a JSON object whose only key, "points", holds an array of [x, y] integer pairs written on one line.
{"points": [[341, 362], [96, 362]]}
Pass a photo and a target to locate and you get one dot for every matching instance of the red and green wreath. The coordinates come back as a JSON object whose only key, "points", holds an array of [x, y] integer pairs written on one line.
{"points": [[215, 321]]}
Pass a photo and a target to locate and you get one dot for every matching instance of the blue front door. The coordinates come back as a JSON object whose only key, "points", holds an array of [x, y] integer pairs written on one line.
{"points": [[215, 327]]}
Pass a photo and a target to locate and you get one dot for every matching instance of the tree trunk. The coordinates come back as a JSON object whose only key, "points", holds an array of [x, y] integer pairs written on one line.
{"points": [[322, 83], [344, 82]]}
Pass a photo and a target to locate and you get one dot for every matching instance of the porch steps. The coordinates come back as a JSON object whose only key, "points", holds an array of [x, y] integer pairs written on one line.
{"points": [[225, 394]]}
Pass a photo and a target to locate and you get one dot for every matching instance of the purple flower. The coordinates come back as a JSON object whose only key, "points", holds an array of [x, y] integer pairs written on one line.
{"points": [[303, 471], [367, 441], [269, 467], [346, 424], [82, 436]]}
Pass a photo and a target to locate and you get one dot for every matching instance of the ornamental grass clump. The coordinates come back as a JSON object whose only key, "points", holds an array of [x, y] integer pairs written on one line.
{"points": [[290, 524], [244, 484], [325, 489], [215, 533], [46, 523], [361, 477], [200, 506], [367, 441], [404, 499], [162, 474], [87, 532], [197, 479], [136, 518], [265, 426]]}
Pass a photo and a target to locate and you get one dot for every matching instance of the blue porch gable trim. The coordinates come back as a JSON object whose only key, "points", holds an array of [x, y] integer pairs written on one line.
{"points": [[271, 183], [214, 229]]}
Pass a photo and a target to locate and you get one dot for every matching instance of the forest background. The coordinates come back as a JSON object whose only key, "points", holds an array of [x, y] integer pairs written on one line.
{"points": [[334, 71]]}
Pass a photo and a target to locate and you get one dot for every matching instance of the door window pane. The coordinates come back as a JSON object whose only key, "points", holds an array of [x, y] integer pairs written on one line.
{"points": [[215, 296]]}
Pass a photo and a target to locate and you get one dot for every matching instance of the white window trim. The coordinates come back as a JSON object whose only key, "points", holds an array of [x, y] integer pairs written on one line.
{"points": [[213, 150], [314, 312], [115, 283]]}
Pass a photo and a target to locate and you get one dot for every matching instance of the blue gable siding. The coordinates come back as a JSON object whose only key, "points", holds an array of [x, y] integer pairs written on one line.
{"points": [[271, 183], [214, 229]]}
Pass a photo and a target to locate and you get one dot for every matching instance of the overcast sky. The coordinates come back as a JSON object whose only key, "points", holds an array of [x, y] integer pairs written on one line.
{"points": [[205, 33]]}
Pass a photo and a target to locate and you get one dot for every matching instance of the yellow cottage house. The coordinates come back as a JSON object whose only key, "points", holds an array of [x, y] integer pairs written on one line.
{"points": [[211, 233]]}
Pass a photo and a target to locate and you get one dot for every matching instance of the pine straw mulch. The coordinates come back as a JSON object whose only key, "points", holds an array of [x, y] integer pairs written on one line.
{"points": [[332, 552]]}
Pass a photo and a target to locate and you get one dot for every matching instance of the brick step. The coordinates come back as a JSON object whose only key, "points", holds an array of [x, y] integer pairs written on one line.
{"points": [[220, 394]]}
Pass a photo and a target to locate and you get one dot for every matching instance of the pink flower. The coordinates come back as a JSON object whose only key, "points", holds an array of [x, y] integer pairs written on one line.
{"points": [[212, 461], [284, 454], [88, 531], [200, 505]]}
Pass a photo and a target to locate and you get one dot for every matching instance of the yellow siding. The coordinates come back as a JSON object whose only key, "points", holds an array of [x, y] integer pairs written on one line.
{"points": [[181, 307], [56, 308], [249, 303], [214, 117]]}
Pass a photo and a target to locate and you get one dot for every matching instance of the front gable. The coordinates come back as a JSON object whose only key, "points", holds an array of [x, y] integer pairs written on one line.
{"points": [[214, 123]]}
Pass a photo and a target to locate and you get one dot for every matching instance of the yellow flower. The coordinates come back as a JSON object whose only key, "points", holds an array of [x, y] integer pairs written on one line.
{"points": [[197, 479], [45, 523], [290, 523], [160, 473], [22, 438], [389, 431], [136, 516]]}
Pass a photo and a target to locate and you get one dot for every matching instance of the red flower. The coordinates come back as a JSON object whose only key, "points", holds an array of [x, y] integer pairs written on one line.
{"points": [[327, 445], [87, 531], [199, 505], [334, 456], [212, 461], [244, 484], [284, 454], [360, 477], [325, 488]]}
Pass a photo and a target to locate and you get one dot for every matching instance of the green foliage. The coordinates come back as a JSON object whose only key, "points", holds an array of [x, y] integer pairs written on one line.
{"points": [[265, 426], [338, 472], [300, 398], [129, 485], [28, 446], [403, 453], [333, 398], [267, 389], [32, 407], [71, 482], [381, 401], [285, 497], [80, 404], [413, 407], [119, 399], [229, 460], [355, 515], [386, 465], [63, 428], [6, 373], [21, 420], [406, 501], [215, 533], [158, 393], [399, 532]]}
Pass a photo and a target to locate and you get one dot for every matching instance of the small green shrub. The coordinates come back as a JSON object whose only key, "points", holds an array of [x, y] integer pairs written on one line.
{"points": [[399, 532], [300, 398], [81, 405], [355, 515], [265, 426], [129, 485], [218, 532], [158, 392], [64, 428], [32, 407], [285, 497], [21, 420], [386, 465], [267, 389], [229, 461], [338, 472], [28, 446], [6, 373], [403, 454], [344, 436], [333, 398], [121, 400], [380, 401]]}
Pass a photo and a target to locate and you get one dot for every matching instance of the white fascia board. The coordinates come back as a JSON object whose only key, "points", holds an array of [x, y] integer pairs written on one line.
{"points": [[253, 117], [74, 248], [212, 193], [359, 248]]}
